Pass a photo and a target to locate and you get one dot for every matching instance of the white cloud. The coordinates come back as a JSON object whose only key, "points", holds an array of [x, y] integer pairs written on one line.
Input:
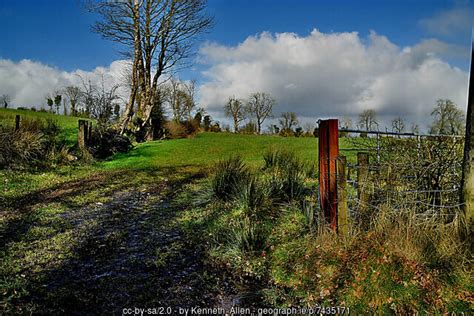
{"points": [[27, 82], [450, 22], [332, 75]]}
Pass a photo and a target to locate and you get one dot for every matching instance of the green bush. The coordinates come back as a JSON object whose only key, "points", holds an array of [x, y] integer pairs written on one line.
{"points": [[20, 148], [35, 144], [228, 176]]}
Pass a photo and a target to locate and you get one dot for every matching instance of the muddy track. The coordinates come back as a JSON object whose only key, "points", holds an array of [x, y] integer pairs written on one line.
{"points": [[130, 253]]}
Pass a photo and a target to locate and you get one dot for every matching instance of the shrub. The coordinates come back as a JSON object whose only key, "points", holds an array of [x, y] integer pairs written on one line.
{"points": [[32, 125], [227, 178], [191, 127], [108, 143], [59, 156], [51, 132], [20, 148], [175, 130]]}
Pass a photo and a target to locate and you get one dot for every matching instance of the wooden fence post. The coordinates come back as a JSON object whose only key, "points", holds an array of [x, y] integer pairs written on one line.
{"points": [[362, 179], [17, 122], [81, 134], [467, 186], [328, 153], [89, 135], [342, 216]]}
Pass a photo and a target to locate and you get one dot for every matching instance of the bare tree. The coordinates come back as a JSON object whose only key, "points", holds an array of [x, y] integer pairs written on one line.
{"points": [[180, 97], [190, 101], [5, 99], [345, 123], [447, 118], [288, 120], [309, 128], [73, 93], [260, 106], [235, 109], [87, 96], [100, 102], [398, 125], [160, 34], [367, 120]]}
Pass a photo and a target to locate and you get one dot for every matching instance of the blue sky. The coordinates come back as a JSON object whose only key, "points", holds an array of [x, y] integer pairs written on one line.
{"points": [[317, 58], [57, 32]]}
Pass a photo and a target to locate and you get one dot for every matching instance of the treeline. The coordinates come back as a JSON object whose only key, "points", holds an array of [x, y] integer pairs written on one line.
{"points": [[249, 115]]}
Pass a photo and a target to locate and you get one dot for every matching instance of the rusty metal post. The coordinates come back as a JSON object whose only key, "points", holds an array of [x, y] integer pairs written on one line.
{"points": [[81, 134], [467, 185], [328, 153], [342, 215], [362, 179], [17, 122]]}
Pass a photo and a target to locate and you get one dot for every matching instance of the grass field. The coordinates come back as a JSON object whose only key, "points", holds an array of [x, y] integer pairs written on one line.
{"points": [[207, 148]]}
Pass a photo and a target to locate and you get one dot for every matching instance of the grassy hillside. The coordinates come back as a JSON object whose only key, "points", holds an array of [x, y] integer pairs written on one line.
{"points": [[207, 148], [68, 124]]}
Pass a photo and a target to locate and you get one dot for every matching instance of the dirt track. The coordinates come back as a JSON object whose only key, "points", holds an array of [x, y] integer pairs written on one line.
{"points": [[129, 252]]}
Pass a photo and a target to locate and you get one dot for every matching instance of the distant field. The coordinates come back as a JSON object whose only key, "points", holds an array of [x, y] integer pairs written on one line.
{"points": [[200, 151], [68, 124], [207, 148]]}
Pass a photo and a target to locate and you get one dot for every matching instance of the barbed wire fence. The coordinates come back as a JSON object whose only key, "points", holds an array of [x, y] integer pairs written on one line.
{"points": [[392, 172]]}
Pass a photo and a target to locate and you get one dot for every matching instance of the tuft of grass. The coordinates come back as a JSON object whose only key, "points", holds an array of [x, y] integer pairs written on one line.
{"points": [[229, 175], [249, 234], [251, 196], [287, 174]]}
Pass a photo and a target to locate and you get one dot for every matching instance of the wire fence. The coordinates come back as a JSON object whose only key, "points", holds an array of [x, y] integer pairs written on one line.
{"points": [[403, 172]]}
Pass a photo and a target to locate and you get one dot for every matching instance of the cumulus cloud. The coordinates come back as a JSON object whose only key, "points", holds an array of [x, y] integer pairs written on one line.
{"points": [[333, 75], [27, 82]]}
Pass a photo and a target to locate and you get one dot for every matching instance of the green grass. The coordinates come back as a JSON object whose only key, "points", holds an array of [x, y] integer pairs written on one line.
{"points": [[207, 148], [68, 124]]}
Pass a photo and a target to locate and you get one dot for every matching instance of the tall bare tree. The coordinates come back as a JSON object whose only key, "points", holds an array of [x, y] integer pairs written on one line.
{"points": [[190, 102], [398, 125], [180, 97], [73, 93], [447, 118], [235, 109], [345, 123], [260, 106], [367, 120], [160, 33], [288, 120]]}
